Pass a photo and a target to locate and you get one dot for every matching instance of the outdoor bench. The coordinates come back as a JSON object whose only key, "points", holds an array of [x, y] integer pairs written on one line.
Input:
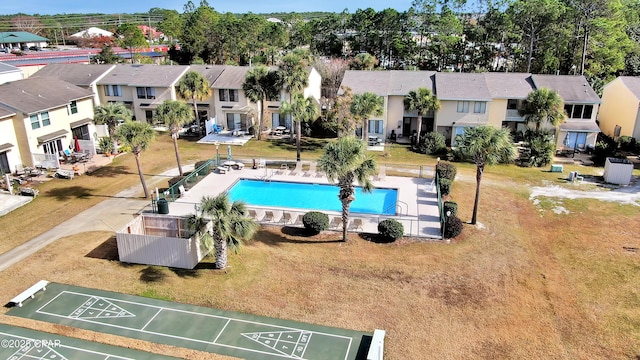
{"points": [[30, 292]]}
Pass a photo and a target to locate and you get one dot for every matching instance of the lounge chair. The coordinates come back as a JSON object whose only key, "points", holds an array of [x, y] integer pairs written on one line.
{"points": [[336, 222], [268, 216], [253, 214], [355, 224], [64, 174], [286, 218], [297, 170]]}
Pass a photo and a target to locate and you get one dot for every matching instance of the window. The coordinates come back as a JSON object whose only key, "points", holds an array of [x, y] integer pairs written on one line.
{"points": [[463, 106], [40, 119], [228, 95], [45, 118], [512, 104], [113, 90], [576, 111], [73, 107], [146, 92], [480, 107], [375, 126], [35, 122]]}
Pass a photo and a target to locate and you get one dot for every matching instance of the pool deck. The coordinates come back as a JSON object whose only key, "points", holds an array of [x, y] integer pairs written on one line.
{"points": [[417, 206]]}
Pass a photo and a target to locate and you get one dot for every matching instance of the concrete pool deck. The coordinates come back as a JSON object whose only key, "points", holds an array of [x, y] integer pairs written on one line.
{"points": [[417, 206]]}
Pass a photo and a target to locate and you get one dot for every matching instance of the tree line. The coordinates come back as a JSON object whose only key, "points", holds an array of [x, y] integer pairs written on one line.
{"points": [[596, 38]]}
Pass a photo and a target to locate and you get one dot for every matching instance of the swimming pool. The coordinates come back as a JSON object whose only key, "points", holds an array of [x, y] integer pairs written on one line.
{"points": [[311, 196]]}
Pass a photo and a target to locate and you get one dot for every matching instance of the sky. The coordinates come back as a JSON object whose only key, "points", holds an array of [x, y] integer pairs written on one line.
{"points": [[51, 7]]}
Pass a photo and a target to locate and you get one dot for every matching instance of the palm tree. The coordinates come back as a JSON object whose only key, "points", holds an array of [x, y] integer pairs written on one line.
{"points": [[365, 105], [423, 101], [261, 84], [111, 114], [484, 145], [174, 115], [195, 87], [345, 161], [543, 105], [302, 110], [137, 136], [230, 225], [293, 75]]}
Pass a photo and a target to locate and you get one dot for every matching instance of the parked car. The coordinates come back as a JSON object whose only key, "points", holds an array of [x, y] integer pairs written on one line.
{"points": [[24, 48], [35, 48]]}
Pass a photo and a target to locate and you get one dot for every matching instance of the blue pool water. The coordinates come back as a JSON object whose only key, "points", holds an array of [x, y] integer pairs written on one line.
{"points": [[311, 196]]}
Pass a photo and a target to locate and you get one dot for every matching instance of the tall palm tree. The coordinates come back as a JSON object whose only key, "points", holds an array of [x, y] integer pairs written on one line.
{"points": [[174, 115], [302, 110], [195, 87], [260, 84], [137, 136], [110, 114], [365, 105], [422, 100], [293, 75], [345, 161], [543, 105], [230, 225], [484, 145]]}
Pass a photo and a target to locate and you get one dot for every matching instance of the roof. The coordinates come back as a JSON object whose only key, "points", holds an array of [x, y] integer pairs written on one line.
{"points": [[509, 85], [210, 72], [384, 83], [78, 74], [144, 75], [19, 36], [231, 78], [361, 81], [4, 112], [92, 32], [580, 126], [38, 93], [632, 83], [462, 86], [572, 89]]}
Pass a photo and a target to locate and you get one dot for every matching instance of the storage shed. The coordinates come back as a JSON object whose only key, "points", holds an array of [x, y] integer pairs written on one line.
{"points": [[618, 171], [160, 240]]}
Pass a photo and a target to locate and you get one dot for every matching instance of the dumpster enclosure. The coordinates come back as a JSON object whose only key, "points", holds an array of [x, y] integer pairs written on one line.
{"points": [[160, 240], [618, 171]]}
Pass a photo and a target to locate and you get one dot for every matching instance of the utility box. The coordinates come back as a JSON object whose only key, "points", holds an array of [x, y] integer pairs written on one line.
{"points": [[618, 171]]}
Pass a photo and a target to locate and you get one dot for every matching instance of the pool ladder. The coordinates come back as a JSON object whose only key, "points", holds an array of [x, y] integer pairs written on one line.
{"points": [[398, 207]]}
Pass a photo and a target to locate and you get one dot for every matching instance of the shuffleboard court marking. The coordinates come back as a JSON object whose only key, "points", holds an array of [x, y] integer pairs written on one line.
{"points": [[166, 310], [46, 352], [290, 343], [150, 320], [99, 308]]}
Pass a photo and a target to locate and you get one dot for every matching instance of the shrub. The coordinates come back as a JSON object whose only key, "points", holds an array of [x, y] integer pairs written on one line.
{"points": [[175, 180], [452, 227], [450, 206], [105, 145], [445, 187], [627, 143], [315, 221], [541, 145], [391, 229], [205, 170], [432, 143], [446, 170]]}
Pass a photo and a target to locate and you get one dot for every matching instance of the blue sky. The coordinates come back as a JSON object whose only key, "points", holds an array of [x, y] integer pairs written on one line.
{"points": [[49, 7]]}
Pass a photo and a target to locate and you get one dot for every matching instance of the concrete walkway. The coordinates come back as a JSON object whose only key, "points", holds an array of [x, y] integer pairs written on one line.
{"points": [[109, 215]]}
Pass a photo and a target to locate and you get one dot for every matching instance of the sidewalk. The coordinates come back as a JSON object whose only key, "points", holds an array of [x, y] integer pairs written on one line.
{"points": [[109, 215]]}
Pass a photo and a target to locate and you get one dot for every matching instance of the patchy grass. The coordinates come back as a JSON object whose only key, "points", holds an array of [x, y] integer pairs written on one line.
{"points": [[526, 284]]}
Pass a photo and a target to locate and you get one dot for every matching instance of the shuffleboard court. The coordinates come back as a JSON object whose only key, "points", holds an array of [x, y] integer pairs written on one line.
{"points": [[199, 328], [18, 343]]}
